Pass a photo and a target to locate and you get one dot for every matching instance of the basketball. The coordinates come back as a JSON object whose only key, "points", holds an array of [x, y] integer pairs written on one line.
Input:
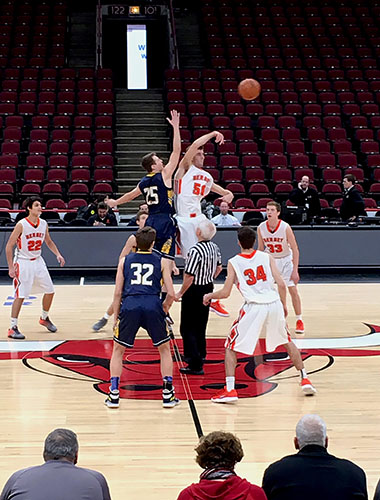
{"points": [[249, 89]]}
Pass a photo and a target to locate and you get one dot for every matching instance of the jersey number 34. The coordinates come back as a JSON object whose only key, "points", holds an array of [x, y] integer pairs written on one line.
{"points": [[253, 277]]}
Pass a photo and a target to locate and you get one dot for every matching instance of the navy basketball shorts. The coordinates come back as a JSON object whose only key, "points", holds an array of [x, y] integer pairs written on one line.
{"points": [[165, 227], [141, 311]]}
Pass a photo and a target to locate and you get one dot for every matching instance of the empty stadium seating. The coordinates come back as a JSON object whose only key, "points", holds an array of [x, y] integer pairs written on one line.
{"points": [[318, 112]]}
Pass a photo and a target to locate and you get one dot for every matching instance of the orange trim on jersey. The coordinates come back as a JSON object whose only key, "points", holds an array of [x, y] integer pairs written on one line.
{"points": [[16, 281], [179, 186], [231, 340], [247, 255], [275, 229], [31, 223]]}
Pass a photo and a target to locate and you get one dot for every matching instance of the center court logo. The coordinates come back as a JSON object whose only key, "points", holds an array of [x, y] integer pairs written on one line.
{"points": [[141, 379]]}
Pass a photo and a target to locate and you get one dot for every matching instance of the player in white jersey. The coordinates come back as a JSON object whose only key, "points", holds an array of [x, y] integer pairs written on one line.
{"points": [[192, 184], [27, 268], [264, 309], [276, 237]]}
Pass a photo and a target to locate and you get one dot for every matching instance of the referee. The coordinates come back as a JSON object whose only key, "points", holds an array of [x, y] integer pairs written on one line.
{"points": [[203, 264]]}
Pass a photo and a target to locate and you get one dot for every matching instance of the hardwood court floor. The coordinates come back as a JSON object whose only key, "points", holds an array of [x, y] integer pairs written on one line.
{"points": [[147, 452]]}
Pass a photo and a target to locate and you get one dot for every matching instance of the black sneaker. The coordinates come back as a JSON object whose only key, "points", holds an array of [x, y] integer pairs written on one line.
{"points": [[112, 400], [14, 333], [99, 324], [168, 398], [48, 324]]}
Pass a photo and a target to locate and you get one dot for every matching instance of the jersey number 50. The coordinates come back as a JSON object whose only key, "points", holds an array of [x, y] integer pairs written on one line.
{"points": [[142, 273], [253, 277]]}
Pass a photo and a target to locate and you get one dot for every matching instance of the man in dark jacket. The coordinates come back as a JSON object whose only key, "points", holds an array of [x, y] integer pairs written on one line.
{"points": [[103, 217], [305, 196], [313, 473], [353, 204], [218, 453]]}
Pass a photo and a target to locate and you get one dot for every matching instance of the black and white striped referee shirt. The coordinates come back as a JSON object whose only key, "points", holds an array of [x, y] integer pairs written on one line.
{"points": [[202, 261]]}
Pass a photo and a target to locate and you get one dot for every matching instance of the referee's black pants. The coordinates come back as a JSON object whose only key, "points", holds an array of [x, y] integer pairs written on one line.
{"points": [[194, 318]]}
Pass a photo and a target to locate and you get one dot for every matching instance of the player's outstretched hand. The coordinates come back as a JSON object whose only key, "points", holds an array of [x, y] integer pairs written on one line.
{"points": [[110, 202], [219, 138], [174, 118], [227, 197], [12, 271], [295, 277], [207, 299], [61, 260]]}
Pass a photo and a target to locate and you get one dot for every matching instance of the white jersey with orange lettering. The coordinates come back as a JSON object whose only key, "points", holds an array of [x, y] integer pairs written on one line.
{"points": [[189, 192], [276, 241], [254, 277], [262, 311], [30, 242], [32, 275]]}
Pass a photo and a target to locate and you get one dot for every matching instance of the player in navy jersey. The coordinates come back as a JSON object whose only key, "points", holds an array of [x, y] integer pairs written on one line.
{"points": [[137, 304], [156, 187]]}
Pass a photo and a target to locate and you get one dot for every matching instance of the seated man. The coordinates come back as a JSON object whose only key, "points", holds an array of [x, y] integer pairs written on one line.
{"points": [[313, 473], [218, 453], [58, 478], [103, 217], [143, 207], [224, 218]]}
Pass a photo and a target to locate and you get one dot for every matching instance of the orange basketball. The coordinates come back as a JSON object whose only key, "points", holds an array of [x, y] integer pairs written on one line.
{"points": [[249, 89]]}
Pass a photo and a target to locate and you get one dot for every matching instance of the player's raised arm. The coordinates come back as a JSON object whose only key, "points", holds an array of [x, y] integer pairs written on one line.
{"points": [[193, 148], [129, 245], [118, 290], [131, 195], [172, 164], [15, 234], [53, 247], [296, 254], [226, 194], [168, 282], [260, 241], [279, 282], [224, 292]]}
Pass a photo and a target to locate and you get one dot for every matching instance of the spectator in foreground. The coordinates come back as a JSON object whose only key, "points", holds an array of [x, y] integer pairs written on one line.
{"points": [[313, 473], [305, 196], [103, 217], [58, 478], [143, 207], [352, 204], [218, 453], [224, 218]]}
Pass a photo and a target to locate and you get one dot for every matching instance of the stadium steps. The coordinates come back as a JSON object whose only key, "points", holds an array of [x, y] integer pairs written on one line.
{"points": [[82, 48], [140, 128], [188, 40]]}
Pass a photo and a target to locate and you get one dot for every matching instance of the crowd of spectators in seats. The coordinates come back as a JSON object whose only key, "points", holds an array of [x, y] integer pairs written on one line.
{"points": [[312, 473]]}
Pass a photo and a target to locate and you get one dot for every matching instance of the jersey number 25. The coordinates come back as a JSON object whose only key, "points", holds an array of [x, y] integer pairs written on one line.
{"points": [[151, 195]]}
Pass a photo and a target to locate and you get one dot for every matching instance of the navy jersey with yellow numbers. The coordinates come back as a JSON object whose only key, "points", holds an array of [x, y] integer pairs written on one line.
{"points": [[158, 196], [142, 274]]}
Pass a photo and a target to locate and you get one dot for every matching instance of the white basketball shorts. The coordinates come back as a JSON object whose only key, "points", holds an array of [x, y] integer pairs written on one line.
{"points": [[256, 318], [187, 227], [285, 266], [32, 276]]}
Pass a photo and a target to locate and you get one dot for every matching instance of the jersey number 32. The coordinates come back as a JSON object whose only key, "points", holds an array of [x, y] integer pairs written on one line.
{"points": [[142, 273]]}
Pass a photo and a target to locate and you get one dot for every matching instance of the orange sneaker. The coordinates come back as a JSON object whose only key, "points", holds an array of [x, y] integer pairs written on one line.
{"points": [[224, 396], [300, 327], [307, 387], [217, 308]]}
